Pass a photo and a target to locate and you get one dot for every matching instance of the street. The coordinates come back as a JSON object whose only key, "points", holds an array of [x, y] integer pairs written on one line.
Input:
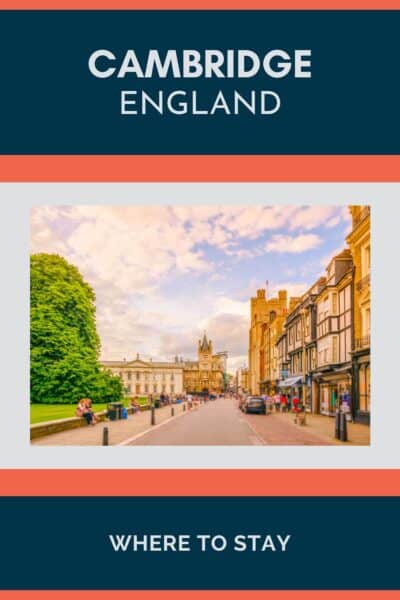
{"points": [[216, 423], [221, 423]]}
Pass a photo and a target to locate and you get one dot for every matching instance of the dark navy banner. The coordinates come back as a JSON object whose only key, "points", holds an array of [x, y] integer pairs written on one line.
{"points": [[283, 543], [51, 103]]}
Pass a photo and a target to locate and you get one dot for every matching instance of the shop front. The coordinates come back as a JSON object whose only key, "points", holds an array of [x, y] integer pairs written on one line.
{"points": [[334, 390], [362, 392], [292, 387]]}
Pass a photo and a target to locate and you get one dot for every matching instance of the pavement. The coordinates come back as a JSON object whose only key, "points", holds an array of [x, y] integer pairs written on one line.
{"points": [[215, 423], [118, 431], [279, 429]]}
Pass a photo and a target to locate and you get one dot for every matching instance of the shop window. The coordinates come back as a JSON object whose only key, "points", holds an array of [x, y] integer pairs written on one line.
{"points": [[364, 388]]}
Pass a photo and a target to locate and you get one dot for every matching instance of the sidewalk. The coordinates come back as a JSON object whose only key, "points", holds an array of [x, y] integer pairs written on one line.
{"points": [[357, 433], [118, 431], [323, 428]]}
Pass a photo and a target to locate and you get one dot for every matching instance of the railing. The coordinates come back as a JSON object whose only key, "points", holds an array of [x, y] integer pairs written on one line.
{"points": [[363, 342], [361, 215], [363, 282]]}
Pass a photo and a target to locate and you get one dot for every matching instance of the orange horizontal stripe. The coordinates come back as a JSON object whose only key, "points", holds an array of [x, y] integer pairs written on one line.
{"points": [[187, 168], [200, 482], [200, 595], [199, 4]]}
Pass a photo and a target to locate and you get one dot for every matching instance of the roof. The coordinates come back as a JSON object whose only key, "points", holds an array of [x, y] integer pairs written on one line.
{"points": [[141, 363], [204, 343]]}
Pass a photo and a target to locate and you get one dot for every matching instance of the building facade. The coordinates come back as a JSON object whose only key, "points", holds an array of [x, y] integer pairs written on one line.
{"points": [[242, 380], [267, 317], [208, 373], [258, 315], [276, 312], [144, 377], [301, 347], [320, 351], [359, 241], [333, 373]]}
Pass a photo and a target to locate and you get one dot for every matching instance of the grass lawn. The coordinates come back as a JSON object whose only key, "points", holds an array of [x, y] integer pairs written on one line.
{"points": [[51, 412]]}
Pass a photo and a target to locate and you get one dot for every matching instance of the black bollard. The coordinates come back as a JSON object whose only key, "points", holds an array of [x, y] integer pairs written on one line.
{"points": [[343, 427], [184, 406], [105, 436], [172, 411], [153, 415], [337, 425]]}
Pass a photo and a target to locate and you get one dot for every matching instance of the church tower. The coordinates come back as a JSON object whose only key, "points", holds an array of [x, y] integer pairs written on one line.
{"points": [[205, 349], [204, 353]]}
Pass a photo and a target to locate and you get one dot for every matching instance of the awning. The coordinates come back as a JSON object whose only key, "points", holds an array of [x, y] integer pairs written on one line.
{"points": [[290, 381]]}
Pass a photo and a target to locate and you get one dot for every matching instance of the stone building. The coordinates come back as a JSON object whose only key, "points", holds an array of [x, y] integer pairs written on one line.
{"points": [[270, 333], [242, 380], [359, 241], [144, 377], [267, 317], [208, 372], [258, 315]]}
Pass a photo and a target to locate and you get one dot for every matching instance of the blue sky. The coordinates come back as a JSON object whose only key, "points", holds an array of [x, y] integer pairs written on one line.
{"points": [[164, 274]]}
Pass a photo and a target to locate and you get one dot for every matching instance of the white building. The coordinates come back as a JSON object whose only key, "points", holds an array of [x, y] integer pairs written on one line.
{"points": [[145, 377]]}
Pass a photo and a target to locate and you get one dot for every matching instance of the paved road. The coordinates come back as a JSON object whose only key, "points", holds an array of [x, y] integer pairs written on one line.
{"points": [[216, 423]]}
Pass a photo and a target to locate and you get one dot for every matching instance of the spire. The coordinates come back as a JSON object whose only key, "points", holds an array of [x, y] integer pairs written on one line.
{"points": [[204, 343]]}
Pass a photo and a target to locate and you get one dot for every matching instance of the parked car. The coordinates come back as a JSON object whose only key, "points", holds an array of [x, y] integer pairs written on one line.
{"points": [[254, 404]]}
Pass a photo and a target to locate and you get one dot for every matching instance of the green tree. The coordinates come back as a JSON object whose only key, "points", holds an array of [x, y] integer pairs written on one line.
{"points": [[65, 345]]}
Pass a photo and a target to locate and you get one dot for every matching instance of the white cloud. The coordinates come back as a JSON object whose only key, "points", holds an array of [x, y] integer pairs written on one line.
{"points": [[294, 290], [229, 332], [313, 216], [227, 305], [237, 362], [293, 244], [128, 253]]}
